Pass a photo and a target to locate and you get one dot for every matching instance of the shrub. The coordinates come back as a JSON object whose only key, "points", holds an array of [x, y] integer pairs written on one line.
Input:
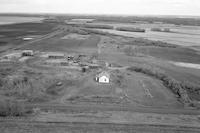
{"points": [[26, 88], [12, 108]]}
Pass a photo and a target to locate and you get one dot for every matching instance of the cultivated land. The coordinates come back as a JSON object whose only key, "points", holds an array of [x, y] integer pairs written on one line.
{"points": [[179, 34], [54, 90]]}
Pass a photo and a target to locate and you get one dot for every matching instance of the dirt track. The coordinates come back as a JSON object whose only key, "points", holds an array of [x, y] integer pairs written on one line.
{"points": [[40, 127], [93, 107]]}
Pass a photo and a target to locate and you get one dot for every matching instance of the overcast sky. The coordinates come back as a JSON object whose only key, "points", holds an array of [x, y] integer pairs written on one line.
{"points": [[129, 7]]}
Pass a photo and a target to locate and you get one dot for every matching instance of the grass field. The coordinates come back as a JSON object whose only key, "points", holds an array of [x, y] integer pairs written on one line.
{"points": [[16, 30], [12, 19], [179, 35], [146, 86], [54, 44], [12, 35], [172, 54]]}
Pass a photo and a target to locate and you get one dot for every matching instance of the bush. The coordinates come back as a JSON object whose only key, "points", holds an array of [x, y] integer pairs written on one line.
{"points": [[26, 88], [12, 108]]}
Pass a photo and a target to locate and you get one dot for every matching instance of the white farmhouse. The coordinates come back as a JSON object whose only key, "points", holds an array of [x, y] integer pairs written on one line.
{"points": [[103, 77]]}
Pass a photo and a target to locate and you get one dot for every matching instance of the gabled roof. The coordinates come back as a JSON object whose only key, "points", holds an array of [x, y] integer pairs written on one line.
{"points": [[24, 51], [104, 73]]}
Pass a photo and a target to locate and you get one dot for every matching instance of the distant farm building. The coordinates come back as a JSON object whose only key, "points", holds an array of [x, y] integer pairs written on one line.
{"points": [[27, 53], [160, 30], [103, 77], [27, 38], [56, 56], [166, 29]]}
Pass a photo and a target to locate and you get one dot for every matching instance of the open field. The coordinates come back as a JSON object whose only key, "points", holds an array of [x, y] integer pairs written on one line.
{"points": [[12, 35], [174, 38], [55, 80], [179, 35], [66, 45], [11, 20], [172, 54]]}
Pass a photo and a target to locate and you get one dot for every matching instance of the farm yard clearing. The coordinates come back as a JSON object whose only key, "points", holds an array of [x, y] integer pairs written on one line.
{"points": [[74, 75]]}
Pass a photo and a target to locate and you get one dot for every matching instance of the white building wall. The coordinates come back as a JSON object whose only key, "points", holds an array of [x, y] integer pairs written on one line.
{"points": [[104, 79]]}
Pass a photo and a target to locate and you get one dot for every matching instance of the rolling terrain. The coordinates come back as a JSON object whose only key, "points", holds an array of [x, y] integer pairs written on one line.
{"points": [[54, 90]]}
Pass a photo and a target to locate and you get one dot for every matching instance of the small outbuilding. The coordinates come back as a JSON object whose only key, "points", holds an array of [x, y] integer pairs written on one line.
{"points": [[166, 29], [56, 55], [103, 77], [27, 53]]}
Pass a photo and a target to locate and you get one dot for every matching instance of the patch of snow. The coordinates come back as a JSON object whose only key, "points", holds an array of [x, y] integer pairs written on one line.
{"points": [[188, 65]]}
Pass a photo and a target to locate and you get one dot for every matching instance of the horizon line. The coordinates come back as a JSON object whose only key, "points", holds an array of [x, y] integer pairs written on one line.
{"points": [[91, 14]]}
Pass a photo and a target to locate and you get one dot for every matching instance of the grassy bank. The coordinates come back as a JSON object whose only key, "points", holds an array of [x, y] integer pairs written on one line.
{"points": [[181, 89]]}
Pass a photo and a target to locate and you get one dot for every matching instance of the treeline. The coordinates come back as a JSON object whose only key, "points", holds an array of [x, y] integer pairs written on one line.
{"points": [[130, 29], [146, 42], [94, 31], [98, 26]]}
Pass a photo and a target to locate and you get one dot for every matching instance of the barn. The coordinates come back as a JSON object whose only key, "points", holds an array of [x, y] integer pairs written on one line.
{"points": [[27, 53], [103, 77], [56, 56]]}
